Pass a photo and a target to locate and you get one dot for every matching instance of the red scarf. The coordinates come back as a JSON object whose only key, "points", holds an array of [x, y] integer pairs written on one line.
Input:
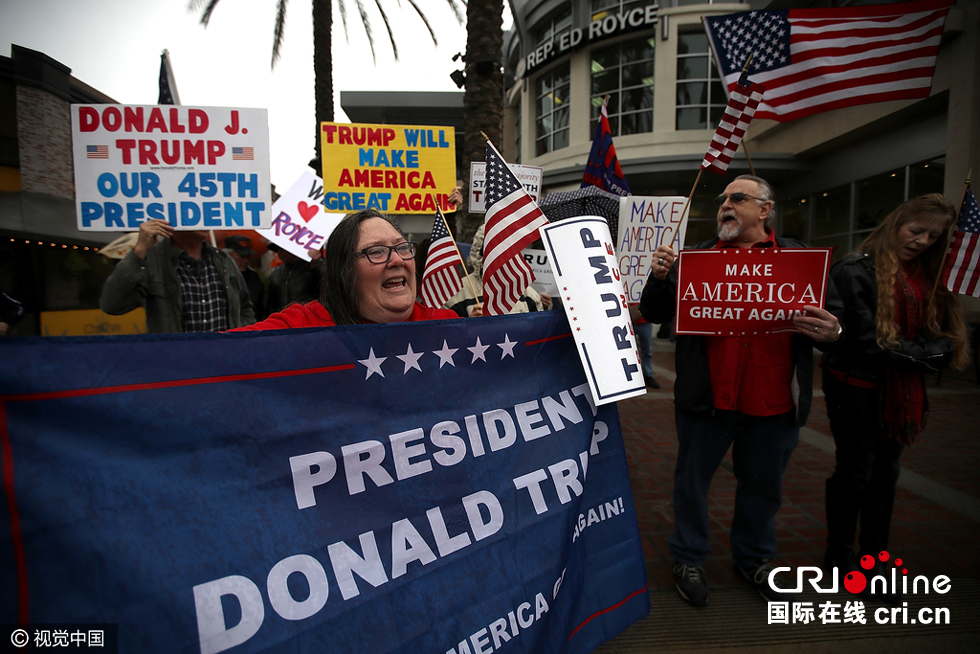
{"points": [[903, 394]]}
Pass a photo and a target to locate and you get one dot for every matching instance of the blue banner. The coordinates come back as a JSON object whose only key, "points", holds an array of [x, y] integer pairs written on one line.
{"points": [[423, 487]]}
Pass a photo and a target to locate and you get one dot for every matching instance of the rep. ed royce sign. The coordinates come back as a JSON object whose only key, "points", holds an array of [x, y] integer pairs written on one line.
{"points": [[604, 25]]}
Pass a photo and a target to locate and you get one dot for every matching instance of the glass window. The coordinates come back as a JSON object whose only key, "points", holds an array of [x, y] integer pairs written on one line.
{"points": [[832, 212], [559, 23], [551, 109], [927, 177], [603, 8], [625, 72], [701, 98], [794, 219], [877, 196]]}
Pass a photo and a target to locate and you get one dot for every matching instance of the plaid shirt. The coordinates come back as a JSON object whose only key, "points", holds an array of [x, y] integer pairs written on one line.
{"points": [[205, 307]]}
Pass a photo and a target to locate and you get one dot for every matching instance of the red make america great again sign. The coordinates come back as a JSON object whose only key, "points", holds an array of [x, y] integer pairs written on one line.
{"points": [[735, 291]]}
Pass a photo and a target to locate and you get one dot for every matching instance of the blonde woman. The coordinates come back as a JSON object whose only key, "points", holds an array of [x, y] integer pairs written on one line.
{"points": [[895, 331]]}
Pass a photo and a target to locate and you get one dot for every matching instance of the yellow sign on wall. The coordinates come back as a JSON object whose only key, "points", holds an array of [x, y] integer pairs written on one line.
{"points": [[92, 322], [391, 168]]}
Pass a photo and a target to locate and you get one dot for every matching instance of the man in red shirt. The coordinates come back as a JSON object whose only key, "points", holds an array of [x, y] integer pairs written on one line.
{"points": [[752, 393]]}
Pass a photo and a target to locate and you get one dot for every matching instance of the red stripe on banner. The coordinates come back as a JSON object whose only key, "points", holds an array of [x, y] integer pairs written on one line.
{"points": [[20, 559], [611, 608], [851, 70], [550, 338], [176, 383]]}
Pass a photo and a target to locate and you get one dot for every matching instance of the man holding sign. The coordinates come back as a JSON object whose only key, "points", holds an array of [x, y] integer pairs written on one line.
{"points": [[749, 389]]}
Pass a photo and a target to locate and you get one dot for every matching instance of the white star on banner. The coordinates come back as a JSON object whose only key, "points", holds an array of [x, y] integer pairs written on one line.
{"points": [[507, 346], [478, 350], [373, 364], [446, 355], [411, 359]]}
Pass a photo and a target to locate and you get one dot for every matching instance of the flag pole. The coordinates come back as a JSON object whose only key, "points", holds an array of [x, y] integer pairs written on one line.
{"points": [[745, 148], [949, 235], [458, 253]]}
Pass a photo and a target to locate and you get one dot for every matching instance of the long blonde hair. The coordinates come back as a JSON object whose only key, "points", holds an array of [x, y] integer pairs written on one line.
{"points": [[944, 315]]}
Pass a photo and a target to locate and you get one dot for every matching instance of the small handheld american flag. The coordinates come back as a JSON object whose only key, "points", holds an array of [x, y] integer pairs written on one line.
{"points": [[439, 279], [512, 223], [962, 273], [741, 106]]}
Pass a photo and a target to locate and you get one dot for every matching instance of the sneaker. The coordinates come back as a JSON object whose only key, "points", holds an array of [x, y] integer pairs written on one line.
{"points": [[757, 574], [691, 584], [651, 382]]}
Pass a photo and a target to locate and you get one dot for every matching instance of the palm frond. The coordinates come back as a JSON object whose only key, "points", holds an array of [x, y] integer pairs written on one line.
{"points": [[424, 20], [391, 36], [460, 15], [367, 29], [195, 5], [279, 30], [343, 19]]}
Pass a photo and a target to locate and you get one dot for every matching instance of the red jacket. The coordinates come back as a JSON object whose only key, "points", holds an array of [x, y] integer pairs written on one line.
{"points": [[315, 314]]}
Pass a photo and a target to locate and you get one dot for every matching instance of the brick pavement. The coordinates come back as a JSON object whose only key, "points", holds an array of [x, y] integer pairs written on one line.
{"points": [[931, 538]]}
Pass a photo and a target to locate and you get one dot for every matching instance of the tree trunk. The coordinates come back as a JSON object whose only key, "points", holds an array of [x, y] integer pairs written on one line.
{"points": [[483, 102], [322, 68]]}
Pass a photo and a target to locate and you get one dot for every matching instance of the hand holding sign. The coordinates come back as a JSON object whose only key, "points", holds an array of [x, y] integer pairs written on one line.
{"points": [[819, 324], [664, 258]]}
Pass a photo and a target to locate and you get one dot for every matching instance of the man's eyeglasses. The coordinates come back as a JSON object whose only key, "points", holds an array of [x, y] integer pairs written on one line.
{"points": [[382, 253], [736, 198]]}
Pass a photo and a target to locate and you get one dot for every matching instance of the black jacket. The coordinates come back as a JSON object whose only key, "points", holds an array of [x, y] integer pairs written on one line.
{"points": [[858, 354], [692, 388]]}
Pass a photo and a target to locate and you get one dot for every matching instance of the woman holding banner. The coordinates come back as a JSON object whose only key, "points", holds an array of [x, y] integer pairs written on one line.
{"points": [[369, 277], [899, 325]]}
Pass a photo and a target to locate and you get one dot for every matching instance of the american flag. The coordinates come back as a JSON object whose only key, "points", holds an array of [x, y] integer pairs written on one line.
{"points": [[512, 223], [439, 279], [745, 97], [962, 274], [96, 151], [242, 154], [815, 60], [168, 85]]}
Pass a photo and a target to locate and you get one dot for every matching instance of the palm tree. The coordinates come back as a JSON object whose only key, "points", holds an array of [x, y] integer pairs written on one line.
{"points": [[322, 44], [483, 102]]}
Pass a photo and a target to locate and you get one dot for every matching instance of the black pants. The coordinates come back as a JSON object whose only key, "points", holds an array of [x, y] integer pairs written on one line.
{"points": [[863, 483]]}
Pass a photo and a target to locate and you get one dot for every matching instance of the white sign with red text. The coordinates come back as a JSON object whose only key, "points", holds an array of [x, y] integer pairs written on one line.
{"points": [[591, 289], [195, 167], [644, 223], [299, 219]]}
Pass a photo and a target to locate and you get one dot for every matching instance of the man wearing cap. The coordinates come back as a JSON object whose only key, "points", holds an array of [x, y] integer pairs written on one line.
{"points": [[184, 284], [240, 249]]}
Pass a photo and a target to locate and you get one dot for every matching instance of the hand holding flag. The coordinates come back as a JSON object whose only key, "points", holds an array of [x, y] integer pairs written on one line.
{"points": [[512, 223]]}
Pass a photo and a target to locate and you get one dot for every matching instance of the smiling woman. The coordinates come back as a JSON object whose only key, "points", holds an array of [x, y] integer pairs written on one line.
{"points": [[368, 277]]}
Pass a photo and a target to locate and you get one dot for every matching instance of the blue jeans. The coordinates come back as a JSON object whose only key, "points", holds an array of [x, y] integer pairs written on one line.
{"points": [[644, 338], [761, 451]]}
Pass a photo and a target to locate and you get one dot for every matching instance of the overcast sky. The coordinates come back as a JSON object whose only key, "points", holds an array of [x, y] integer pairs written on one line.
{"points": [[114, 46]]}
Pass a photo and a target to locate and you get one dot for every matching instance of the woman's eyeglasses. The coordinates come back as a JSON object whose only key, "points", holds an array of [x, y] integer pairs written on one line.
{"points": [[736, 198], [382, 253]]}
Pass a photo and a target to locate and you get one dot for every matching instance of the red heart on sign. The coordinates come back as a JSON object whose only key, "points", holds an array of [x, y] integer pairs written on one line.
{"points": [[307, 211]]}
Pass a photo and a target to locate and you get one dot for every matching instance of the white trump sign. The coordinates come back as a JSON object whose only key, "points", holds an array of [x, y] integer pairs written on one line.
{"points": [[592, 291]]}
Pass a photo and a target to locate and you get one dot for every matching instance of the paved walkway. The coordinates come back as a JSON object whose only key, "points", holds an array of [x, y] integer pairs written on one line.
{"points": [[935, 530]]}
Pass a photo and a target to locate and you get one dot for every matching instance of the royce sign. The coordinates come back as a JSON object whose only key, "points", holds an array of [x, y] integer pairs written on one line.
{"points": [[598, 30]]}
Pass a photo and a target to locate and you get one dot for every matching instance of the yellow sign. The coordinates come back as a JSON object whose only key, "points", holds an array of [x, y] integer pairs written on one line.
{"points": [[391, 168], [92, 322]]}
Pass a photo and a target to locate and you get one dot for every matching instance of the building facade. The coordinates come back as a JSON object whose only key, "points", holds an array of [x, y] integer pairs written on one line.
{"points": [[836, 174]]}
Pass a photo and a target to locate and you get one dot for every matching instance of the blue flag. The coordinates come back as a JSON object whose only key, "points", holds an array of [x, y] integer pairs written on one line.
{"points": [[422, 487], [602, 168]]}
